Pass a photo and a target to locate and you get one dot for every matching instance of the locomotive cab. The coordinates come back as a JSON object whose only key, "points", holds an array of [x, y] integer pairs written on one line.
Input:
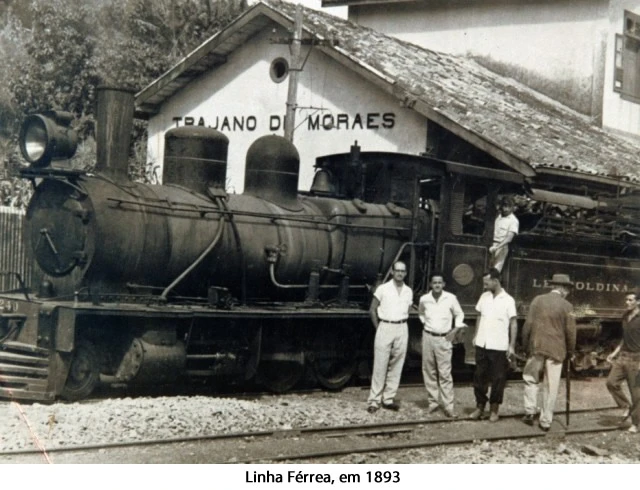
{"points": [[460, 200]]}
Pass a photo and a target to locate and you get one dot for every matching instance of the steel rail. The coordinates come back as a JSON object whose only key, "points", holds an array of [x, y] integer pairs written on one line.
{"points": [[415, 445], [358, 429]]}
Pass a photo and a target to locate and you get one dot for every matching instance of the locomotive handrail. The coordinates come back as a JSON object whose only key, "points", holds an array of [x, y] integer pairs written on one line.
{"points": [[399, 253], [239, 249], [195, 263], [205, 210]]}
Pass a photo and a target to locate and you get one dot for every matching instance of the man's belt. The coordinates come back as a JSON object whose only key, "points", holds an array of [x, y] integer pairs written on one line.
{"points": [[436, 334], [393, 321]]}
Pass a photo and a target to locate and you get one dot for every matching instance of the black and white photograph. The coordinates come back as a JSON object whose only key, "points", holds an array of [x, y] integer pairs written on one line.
{"points": [[284, 236]]}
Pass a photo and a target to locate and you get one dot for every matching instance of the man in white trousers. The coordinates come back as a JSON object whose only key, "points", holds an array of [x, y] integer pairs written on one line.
{"points": [[389, 313], [549, 335]]}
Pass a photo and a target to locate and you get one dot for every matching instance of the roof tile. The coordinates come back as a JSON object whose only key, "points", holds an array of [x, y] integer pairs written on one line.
{"points": [[542, 133]]}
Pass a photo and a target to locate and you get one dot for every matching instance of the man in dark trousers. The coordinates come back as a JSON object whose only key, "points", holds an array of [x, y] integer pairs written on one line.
{"points": [[549, 336], [625, 360], [495, 342]]}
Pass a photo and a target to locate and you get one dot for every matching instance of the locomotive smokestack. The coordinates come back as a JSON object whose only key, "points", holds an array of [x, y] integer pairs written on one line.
{"points": [[113, 133]]}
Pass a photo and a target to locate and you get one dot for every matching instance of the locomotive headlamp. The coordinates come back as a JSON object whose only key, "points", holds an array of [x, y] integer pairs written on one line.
{"points": [[46, 137]]}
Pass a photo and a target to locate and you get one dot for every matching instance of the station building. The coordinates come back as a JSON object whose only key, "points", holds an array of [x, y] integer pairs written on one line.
{"points": [[357, 84], [582, 53]]}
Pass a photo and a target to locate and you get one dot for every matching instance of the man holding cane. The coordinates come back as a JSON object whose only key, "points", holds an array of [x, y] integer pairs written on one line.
{"points": [[549, 335]]}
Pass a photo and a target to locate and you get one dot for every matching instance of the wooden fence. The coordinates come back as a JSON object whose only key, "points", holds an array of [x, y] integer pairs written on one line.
{"points": [[14, 254]]}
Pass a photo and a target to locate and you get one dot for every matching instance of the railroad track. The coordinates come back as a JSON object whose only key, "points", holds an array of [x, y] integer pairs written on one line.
{"points": [[317, 443]]}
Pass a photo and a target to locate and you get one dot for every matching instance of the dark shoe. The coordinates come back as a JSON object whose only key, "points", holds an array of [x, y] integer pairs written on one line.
{"points": [[494, 417], [477, 414], [544, 428], [373, 408], [433, 408], [625, 423], [391, 406], [450, 414], [529, 419]]}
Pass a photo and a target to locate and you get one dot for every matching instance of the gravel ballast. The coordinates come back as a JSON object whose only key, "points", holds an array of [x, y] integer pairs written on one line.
{"points": [[119, 419]]}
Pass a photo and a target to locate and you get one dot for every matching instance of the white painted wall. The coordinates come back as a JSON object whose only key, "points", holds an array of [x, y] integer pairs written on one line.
{"points": [[618, 114], [552, 46], [341, 12], [243, 88]]}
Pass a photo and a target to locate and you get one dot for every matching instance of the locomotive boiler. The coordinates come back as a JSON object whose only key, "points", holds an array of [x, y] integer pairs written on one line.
{"points": [[154, 284], [104, 236]]}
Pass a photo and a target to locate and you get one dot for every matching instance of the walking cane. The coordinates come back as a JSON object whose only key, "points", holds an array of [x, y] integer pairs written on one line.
{"points": [[568, 386]]}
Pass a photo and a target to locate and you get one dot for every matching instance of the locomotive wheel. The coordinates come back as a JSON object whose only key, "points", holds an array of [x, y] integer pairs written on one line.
{"points": [[281, 364], [280, 376], [334, 357], [84, 372]]}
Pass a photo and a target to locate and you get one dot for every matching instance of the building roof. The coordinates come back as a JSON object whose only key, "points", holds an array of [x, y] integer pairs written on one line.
{"points": [[515, 124], [334, 3]]}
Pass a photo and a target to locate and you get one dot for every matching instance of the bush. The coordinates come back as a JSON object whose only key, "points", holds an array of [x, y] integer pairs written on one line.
{"points": [[73, 46]]}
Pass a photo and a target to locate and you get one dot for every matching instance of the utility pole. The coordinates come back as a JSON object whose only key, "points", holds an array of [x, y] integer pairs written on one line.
{"points": [[294, 73], [296, 65]]}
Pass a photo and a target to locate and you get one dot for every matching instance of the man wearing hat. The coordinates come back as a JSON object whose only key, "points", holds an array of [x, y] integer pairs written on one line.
{"points": [[549, 336], [506, 227]]}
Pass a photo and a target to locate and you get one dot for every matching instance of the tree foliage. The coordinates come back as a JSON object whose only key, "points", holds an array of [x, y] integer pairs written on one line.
{"points": [[141, 39], [12, 49], [72, 46], [54, 75]]}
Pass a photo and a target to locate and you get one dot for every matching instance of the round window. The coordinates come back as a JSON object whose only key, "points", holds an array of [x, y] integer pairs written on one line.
{"points": [[279, 70]]}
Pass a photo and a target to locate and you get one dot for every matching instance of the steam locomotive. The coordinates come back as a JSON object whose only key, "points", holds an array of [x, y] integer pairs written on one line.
{"points": [[150, 284]]}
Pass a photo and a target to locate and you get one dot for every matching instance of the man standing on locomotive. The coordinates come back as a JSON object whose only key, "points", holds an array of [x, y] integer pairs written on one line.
{"points": [[495, 342], [389, 313], [506, 227], [549, 336], [437, 310], [626, 363]]}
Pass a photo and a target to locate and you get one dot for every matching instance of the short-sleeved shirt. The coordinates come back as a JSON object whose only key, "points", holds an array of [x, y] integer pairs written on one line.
{"points": [[504, 225], [393, 306], [631, 334], [437, 316], [496, 314]]}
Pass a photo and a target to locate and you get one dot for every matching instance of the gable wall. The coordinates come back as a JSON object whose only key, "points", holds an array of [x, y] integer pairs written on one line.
{"points": [[242, 89], [618, 114]]}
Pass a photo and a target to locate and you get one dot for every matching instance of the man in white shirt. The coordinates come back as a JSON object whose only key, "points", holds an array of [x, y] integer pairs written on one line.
{"points": [[389, 313], [437, 310], [495, 343], [506, 227]]}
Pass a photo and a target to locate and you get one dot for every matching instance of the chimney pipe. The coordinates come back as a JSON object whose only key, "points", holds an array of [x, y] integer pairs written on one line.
{"points": [[113, 132]]}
